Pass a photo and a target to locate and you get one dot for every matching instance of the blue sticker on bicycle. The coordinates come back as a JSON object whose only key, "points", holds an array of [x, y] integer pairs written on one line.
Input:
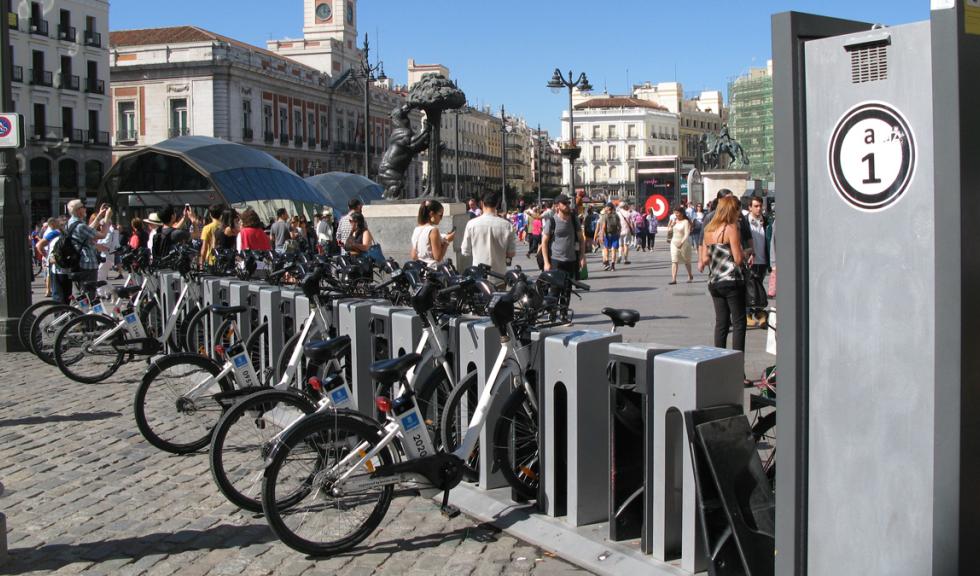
{"points": [[131, 318], [339, 396], [240, 360], [410, 421]]}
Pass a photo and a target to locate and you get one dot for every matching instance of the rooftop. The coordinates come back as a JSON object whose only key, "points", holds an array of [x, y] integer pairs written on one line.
{"points": [[178, 35], [619, 102]]}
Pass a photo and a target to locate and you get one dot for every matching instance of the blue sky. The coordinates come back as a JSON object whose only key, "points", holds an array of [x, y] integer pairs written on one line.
{"points": [[504, 52]]}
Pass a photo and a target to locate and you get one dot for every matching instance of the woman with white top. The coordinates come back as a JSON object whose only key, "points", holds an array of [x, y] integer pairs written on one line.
{"points": [[428, 244]]}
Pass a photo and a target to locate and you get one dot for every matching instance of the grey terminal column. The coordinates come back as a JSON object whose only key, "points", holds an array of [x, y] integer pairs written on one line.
{"points": [[876, 250]]}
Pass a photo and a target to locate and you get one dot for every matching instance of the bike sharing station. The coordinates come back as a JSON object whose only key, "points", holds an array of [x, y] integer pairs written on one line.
{"points": [[876, 159]]}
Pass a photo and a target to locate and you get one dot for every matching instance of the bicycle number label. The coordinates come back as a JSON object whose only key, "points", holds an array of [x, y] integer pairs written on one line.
{"points": [[872, 156], [244, 370], [410, 421], [340, 397], [98, 309], [134, 326]]}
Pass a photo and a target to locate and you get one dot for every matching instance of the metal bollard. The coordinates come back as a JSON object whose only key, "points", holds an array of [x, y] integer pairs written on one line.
{"points": [[290, 324], [353, 319], [381, 330], [688, 379], [239, 295], [406, 332], [630, 441], [574, 413]]}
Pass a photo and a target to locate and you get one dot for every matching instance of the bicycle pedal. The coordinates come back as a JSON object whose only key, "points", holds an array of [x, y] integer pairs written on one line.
{"points": [[449, 511]]}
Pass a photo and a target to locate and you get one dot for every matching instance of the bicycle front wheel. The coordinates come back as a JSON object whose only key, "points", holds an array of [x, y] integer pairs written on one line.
{"points": [[166, 413], [27, 320], [455, 421], [515, 444], [244, 438], [302, 505], [84, 351]]}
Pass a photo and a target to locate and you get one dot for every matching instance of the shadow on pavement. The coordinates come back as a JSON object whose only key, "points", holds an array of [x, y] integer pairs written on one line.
{"points": [[605, 321], [80, 417], [484, 533], [56, 556]]}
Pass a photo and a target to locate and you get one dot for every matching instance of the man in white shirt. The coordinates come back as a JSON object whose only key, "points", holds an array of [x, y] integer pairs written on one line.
{"points": [[488, 238], [625, 232]]}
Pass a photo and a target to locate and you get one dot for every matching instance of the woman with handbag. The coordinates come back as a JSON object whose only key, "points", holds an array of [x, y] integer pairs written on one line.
{"points": [[680, 249], [722, 254], [360, 241]]}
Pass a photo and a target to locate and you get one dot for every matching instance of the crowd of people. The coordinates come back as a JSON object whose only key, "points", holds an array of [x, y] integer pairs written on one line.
{"points": [[734, 245]]}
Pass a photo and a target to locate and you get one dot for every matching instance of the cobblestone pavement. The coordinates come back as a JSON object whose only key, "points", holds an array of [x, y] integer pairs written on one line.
{"points": [[84, 493]]}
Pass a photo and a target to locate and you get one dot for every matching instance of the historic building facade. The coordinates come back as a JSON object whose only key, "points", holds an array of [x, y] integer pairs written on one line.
{"points": [[60, 76]]}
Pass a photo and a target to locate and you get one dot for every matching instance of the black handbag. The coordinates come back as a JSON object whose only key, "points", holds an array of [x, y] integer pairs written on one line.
{"points": [[755, 291]]}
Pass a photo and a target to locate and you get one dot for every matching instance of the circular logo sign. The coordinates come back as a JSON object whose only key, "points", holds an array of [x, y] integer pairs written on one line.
{"points": [[659, 204], [872, 156], [5, 127]]}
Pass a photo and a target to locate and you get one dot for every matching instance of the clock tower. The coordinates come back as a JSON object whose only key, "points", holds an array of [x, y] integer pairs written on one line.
{"points": [[329, 41]]}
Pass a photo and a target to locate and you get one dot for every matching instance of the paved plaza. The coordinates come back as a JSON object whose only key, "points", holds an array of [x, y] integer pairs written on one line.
{"points": [[84, 493]]}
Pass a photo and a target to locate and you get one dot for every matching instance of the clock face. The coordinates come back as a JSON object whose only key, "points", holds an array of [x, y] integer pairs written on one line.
{"points": [[323, 11]]}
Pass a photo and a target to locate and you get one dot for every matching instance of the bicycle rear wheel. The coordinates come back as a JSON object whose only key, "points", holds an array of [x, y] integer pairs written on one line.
{"points": [[27, 320], [45, 329], [243, 440], [318, 520], [166, 417], [79, 357], [515, 444], [455, 420], [432, 396]]}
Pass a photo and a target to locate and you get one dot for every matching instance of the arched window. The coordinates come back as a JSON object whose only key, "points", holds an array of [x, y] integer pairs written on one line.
{"points": [[68, 175], [40, 172], [93, 175]]}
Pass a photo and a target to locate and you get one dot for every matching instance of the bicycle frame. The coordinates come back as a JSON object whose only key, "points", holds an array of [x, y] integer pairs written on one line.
{"points": [[316, 317]]}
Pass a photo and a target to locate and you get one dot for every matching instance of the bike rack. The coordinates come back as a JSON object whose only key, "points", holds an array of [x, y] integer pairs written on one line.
{"points": [[290, 320], [631, 385], [380, 328], [240, 295], [270, 311], [689, 379], [353, 318], [170, 283], [574, 414]]}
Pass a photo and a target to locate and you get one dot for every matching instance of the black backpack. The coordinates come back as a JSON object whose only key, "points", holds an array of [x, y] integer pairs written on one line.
{"points": [[613, 224], [66, 254]]}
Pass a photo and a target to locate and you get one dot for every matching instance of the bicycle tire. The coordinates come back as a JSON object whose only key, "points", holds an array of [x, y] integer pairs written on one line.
{"points": [[287, 351], [76, 335], [243, 487], [515, 444], [258, 352], [196, 337], [153, 432], [45, 329], [150, 317], [178, 338], [318, 435], [452, 427], [27, 319]]}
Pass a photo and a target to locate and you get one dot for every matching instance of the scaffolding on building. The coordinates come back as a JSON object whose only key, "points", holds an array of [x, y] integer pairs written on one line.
{"points": [[750, 120]]}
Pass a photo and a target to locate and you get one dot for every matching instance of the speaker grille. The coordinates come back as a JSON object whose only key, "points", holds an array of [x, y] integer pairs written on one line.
{"points": [[869, 64]]}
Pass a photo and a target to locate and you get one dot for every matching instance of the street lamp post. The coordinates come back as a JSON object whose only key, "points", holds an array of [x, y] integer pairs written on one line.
{"points": [[503, 156], [572, 151], [458, 197], [540, 159], [367, 72]]}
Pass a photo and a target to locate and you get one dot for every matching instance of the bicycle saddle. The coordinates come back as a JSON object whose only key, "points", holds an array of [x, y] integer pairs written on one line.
{"points": [[322, 351], [228, 310], [93, 285], [390, 371], [622, 316], [127, 291]]}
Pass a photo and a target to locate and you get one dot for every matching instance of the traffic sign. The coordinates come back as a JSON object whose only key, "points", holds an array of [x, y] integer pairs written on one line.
{"points": [[660, 205], [11, 131], [872, 156]]}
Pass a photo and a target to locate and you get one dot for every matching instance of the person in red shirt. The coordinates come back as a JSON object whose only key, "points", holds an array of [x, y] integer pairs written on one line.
{"points": [[253, 236]]}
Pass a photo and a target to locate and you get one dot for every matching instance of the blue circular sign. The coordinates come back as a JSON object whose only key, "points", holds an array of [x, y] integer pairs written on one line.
{"points": [[5, 127]]}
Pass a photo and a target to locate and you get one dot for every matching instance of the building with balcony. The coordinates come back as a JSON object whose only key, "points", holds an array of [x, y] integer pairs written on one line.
{"points": [[184, 80], [613, 133], [750, 121], [546, 164], [60, 68]]}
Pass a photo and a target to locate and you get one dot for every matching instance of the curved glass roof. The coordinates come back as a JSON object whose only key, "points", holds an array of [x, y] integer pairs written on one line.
{"points": [[338, 188]]}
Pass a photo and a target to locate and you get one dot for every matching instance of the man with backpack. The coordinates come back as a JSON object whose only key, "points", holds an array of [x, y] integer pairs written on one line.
{"points": [[563, 239], [75, 254], [172, 232], [609, 230]]}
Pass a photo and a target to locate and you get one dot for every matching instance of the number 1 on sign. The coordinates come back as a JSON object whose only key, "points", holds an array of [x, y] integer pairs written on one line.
{"points": [[870, 159]]}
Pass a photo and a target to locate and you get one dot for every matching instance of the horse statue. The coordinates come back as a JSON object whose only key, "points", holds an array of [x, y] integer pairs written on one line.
{"points": [[719, 147]]}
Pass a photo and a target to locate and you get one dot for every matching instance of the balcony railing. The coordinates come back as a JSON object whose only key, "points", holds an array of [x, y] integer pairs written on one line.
{"points": [[75, 136], [247, 134], [179, 131], [311, 142], [298, 141], [68, 82], [97, 138], [270, 137], [41, 77], [48, 133], [67, 33], [17, 73], [93, 38], [37, 26], [94, 86], [283, 138], [126, 136]]}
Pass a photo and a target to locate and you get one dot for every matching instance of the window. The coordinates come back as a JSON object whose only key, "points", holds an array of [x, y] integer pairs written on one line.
{"points": [[613, 173], [612, 131], [631, 152], [595, 132], [126, 121], [631, 131], [267, 118], [612, 152], [596, 153], [178, 117], [246, 115], [597, 174], [283, 123], [324, 128], [310, 126], [40, 120], [297, 124], [68, 174], [632, 174]]}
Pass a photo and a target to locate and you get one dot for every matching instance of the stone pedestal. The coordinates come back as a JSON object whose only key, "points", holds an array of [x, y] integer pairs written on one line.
{"points": [[735, 180], [392, 223]]}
